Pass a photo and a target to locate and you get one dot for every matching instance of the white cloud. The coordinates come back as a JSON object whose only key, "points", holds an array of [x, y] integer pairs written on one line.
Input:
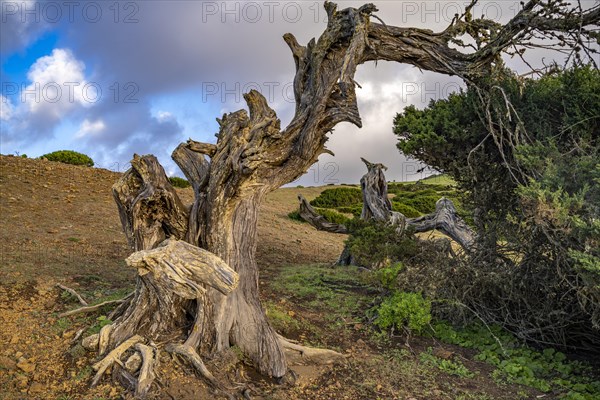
{"points": [[58, 85], [90, 128], [6, 108], [163, 116]]}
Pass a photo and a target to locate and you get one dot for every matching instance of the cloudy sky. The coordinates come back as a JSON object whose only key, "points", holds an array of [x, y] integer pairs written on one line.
{"points": [[113, 78]]}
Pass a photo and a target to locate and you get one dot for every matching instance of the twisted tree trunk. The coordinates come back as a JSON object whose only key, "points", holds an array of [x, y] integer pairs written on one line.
{"points": [[187, 300], [377, 207]]}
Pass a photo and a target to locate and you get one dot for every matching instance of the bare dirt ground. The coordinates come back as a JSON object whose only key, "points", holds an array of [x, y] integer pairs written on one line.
{"points": [[59, 224]]}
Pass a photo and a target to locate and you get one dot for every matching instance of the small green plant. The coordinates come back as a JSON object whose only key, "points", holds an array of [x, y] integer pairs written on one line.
{"points": [[404, 310], [69, 157], [388, 276], [101, 322], [448, 366], [179, 182], [62, 324], [295, 215], [23, 155]]}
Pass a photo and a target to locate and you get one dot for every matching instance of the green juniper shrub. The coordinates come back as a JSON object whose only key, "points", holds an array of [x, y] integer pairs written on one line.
{"points": [[333, 216], [69, 157], [338, 197], [354, 210], [374, 244], [179, 182], [405, 209], [536, 188], [295, 215]]}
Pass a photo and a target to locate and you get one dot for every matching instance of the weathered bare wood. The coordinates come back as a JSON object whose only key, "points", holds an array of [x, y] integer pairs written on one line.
{"points": [[113, 357], [149, 207], [146, 376], [196, 169], [202, 148], [446, 220], [88, 309], [184, 268], [308, 213], [303, 355], [376, 204]]}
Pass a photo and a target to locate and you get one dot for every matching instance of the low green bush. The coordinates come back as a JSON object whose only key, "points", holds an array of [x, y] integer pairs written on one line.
{"points": [[423, 204], [295, 215], [375, 244], [179, 182], [404, 310], [333, 216], [408, 211], [338, 197], [69, 157], [354, 210]]}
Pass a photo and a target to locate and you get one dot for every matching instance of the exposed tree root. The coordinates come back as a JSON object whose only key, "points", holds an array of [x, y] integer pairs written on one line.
{"points": [[146, 377], [74, 293], [104, 339], [113, 357], [192, 356], [297, 354]]}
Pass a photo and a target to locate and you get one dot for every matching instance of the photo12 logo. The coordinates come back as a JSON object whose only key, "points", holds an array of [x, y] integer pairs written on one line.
{"points": [[233, 92], [263, 12], [446, 11], [53, 12], [71, 92]]}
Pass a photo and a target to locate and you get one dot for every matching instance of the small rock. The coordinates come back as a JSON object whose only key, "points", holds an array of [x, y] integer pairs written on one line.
{"points": [[22, 381], [37, 387], [25, 365], [133, 363], [90, 343], [18, 355], [14, 339], [7, 363]]}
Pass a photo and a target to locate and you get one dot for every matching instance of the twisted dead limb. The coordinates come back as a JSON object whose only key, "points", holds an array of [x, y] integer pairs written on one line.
{"points": [[310, 215], [377, 207]]}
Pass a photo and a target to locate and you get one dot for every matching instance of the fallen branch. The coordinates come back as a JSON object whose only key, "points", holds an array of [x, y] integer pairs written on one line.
{"points": [[74, 293], [90, 308]]}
